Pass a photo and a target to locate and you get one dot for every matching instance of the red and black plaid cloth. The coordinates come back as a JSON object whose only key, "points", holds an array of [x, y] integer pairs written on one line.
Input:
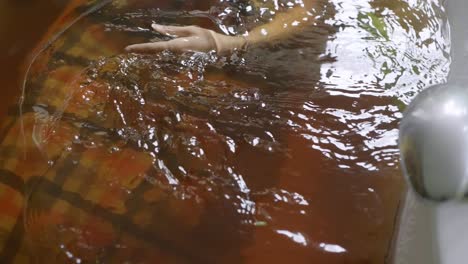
{"points": [[74, 189], [119, 158]]}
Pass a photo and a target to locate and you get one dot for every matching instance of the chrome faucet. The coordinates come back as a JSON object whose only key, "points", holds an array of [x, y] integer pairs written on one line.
{"points": [[434, 154], [434, 130]]}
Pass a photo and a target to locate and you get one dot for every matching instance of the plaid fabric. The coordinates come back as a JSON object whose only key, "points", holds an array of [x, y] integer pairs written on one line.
{"points": [[62, 202]]}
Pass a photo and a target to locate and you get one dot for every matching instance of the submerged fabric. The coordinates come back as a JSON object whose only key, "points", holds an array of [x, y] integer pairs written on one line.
{"points": [[122, 158], [106, 201], [283, 154], [78, 174]]}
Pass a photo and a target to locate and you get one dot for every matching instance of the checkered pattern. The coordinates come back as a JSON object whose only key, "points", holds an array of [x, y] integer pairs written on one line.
{"points": [[58, 198]]}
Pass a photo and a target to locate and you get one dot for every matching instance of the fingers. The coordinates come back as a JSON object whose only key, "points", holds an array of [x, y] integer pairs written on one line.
{"points": [[175, 45], [147, 47], [174, 30], [179, 44]]}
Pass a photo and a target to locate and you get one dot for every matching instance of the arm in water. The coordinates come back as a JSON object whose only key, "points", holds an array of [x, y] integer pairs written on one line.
{"points": [[193, 38]]}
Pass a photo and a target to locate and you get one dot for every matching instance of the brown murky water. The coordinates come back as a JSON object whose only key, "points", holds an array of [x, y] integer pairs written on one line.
{"points": [[282, 153], [22, 24]]}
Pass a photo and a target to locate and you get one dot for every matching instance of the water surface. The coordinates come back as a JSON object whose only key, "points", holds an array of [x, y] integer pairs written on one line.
{"points": [[285, 152]]}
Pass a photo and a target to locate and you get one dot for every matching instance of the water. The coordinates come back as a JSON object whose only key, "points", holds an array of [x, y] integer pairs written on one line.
{"points": [[36, 15], [284, 152]]}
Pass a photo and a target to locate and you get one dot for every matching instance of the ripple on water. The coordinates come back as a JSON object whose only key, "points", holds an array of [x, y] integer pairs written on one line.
{"points": [[283, 151]]}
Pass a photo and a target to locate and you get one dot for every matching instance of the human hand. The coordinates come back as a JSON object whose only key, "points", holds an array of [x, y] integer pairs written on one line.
{"points": [[190, 38]]}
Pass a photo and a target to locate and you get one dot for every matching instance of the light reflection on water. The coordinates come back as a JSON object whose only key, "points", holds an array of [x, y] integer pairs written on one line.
{"points": [[385, 50], [281, 152]]}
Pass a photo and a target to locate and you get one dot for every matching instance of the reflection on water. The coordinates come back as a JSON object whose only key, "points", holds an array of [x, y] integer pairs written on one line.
{"points": [[284, 152]]}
